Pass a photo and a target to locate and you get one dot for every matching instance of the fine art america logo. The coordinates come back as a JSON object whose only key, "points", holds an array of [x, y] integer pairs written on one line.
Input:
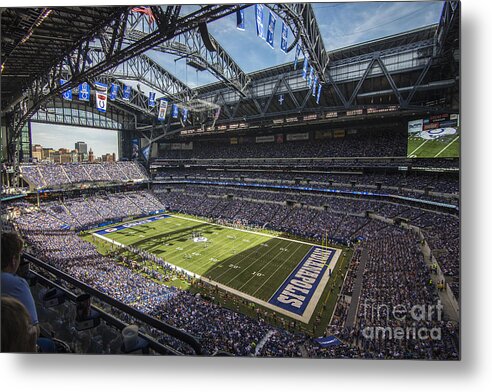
{"points": [[398, 322]]}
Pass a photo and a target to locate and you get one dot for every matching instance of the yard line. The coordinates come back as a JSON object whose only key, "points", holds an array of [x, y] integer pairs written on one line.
{"points": [[418, 148], [281, 265], [267, 264], [447, 145]]}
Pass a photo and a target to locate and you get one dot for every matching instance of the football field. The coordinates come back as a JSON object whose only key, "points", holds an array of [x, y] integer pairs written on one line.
{"points": [[284, 275], [444, 147]]}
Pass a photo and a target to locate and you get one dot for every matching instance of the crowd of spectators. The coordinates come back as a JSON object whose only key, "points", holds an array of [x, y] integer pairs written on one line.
{"points": [[52, 175]]}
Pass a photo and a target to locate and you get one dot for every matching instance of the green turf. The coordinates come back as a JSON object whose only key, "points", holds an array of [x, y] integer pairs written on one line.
{"points": [[249, 262], [444, 147]]}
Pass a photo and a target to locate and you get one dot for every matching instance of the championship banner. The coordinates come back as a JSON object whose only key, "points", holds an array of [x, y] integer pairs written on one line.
{"points": [[84, 92], [311, 76], [101, 96], [151, 99], [318, 94], [260, 32], [175, 111], [283, 41], [315, 85], [240, 20], [271, 29], [113, 92], [296, 58], [305, 68], [127, 92], [67, 95], [162, 109]]}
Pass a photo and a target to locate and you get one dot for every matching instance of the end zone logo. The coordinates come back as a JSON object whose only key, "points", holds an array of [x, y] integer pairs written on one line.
{"points": [[110, 230]]}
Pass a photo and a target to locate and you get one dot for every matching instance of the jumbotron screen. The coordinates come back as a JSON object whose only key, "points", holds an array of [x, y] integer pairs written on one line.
{"points": [[434, 137]]}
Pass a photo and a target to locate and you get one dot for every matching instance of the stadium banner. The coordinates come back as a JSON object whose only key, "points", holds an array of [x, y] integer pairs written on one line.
{"points": [[318, 95], [265, 139], [113, 93], [315, 85], [240, 20], [101, 96], [305, 68], [272, 19], [297, 136], [84, 92], [151, 99], [311, 76], [295, 294], [162, 109], [135, 148], [283, 41], [146, 152], [127, 92], [184, 114], [296, 58], [260, 31], [175, 111], [131, 224], [328, 341], [66, 95], [339, 133]]}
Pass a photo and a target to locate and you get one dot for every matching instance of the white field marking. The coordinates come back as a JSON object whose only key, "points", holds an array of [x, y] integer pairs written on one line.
{"points": [[274, 259], [308, 312], [280, 266], [447, 145], [246, 231], [418, 148]]}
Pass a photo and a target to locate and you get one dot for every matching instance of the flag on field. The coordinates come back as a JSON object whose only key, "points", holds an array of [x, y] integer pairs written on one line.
{"points": [[305, 68], [101, 96], [113, 93], [283, 42], [175, 111], [319, 93], [84, 92], [296, 58], [127, 92], [260, 32], [146, 11], [240, 20], [271, 29], [162, 109], [315, 84], [66, 95], [151, 99]]}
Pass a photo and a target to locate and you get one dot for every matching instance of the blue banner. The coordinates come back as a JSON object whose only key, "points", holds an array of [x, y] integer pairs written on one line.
{"points": [[328, 341], [271, 29], [296, 58], [175, 111], [146, 152], [240, 19], [315, 85], [184, 113], [67, 95], [260, 32], [319, 93], [127, 92], [305, 68], [283, 42], [84, 92], [311, 76], [162, 109], [113, 93], [151, 99], [135, 148]]}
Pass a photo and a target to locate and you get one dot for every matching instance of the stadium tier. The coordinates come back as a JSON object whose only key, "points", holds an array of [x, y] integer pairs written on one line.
{"points": [[305, 209]]}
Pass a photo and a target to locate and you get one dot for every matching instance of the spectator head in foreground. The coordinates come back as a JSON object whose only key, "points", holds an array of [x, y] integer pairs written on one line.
{"points": [[18, 334], [11, 251]]}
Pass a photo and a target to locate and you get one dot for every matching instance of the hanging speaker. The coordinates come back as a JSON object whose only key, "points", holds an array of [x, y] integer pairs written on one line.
{"points": [[202, 27]]}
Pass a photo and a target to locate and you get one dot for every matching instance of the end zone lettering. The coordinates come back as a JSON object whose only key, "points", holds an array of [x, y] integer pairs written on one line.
{"points": [[131, 224], [297, 290]]}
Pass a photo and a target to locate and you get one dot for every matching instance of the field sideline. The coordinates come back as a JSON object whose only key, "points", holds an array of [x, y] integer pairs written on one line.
{"points": [[252, 265]]}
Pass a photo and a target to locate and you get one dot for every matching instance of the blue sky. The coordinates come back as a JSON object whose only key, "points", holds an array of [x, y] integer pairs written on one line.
{"points": [[341, 25]]}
